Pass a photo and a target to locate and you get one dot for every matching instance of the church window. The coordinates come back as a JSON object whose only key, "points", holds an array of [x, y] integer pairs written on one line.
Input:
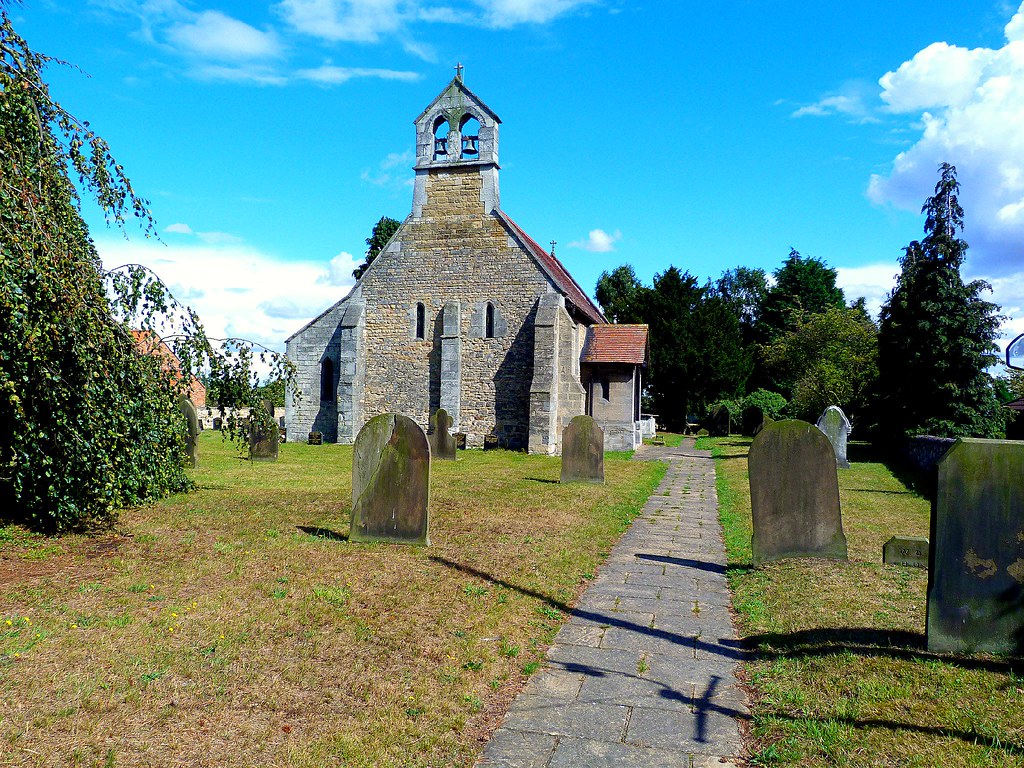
{"points": [[421, 321], [469, 127], [326, 380], [605, 393], [489, 321], [440, 138]]}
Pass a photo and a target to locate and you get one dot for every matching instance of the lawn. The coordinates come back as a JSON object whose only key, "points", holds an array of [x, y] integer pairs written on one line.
{"points": [[236, 625], [840, 675]]}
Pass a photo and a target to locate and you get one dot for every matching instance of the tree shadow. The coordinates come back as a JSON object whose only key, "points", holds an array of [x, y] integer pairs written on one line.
{"points": [[323, 533]]}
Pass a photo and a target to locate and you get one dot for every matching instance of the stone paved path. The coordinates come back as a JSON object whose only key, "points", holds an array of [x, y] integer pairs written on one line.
{"points": [[643, 673]]}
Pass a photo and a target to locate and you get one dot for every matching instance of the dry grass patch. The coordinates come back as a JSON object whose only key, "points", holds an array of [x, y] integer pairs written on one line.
{"points": [[238, 626], [840, 675]]}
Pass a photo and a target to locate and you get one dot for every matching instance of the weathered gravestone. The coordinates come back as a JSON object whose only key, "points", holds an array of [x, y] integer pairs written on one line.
{"points": [[583, 451], [976, 569], [442, 442], [836, 426], [264, 443], [315, 438], [188, 410], [490, 442], [794, 494], [751, 418], [764, 423], [719, 423], [906, 550], [391, 482], [218, 423]]}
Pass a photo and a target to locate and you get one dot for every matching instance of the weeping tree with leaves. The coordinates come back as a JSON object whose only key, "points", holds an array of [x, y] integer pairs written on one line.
{"points": [[88, 422], [937, 335]]}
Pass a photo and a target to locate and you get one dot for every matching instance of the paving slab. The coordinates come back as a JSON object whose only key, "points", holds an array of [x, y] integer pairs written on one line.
{"points": [[644, 671]]}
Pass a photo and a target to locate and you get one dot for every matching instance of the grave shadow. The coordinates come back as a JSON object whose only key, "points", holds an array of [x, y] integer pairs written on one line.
{"points": [[684, 562], [541, 480], [323, 533], [868, 642]]}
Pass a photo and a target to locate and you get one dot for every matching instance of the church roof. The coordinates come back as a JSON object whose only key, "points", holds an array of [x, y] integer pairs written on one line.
{"points": [[459, 85], [615, 344], [1015, 405], [574, 295]]}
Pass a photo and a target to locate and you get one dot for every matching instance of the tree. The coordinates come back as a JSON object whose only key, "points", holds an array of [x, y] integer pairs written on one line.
{"points": [[620, 295], [88, 422], [744, 290], [936, 334], [383, 230], [803, 286], [829, 359]]}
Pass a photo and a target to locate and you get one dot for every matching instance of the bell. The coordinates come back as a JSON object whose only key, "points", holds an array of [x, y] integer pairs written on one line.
{"points": [[469, 145], [440, 146]]}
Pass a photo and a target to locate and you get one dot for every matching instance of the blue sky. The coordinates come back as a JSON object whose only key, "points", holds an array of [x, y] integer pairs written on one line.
{"points": [[270, 136]]}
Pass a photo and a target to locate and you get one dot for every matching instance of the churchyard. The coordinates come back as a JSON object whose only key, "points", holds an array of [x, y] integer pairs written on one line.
{"points": [[840, 672], [237, 625]]}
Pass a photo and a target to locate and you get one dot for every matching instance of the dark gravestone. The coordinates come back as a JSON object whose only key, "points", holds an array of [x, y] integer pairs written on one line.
{"points": [[264, 442], [764, 423], [794, 494], [719, 423], [906, 550], [751, 419], [460, 440], [976, 569], [583, 451], [836, 426], [490, 442], [192, 436], [442, 443], [315, 438], [391, 482], [218, 423]]}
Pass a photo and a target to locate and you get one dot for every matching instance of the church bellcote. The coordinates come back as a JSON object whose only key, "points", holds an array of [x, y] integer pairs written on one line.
{"points": [[456, 134]]}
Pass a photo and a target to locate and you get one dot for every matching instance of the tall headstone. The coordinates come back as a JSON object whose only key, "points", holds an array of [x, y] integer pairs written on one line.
{"points": [[976, 567], [794, 494], [391, 482], [751, 418], [719, 423], [442, 442], [583, 451], [188, 410], [264, 443], [836, 426]]}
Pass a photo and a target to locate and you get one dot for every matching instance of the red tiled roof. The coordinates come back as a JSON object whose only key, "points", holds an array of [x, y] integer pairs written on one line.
{"points": [[558, 273], [150, 343], [616, 344]]}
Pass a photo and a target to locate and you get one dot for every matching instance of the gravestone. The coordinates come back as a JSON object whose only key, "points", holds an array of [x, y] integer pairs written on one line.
{"points": [[218, 423], [794, 494], [315, 438], [442, 442], [976, 568], [391, 482], [188, 410], [836, 426], [764, 423], [583, 451], [751, 418], [719, 423], [264, 443], [906, 550], [490, 442], [460, 440]]}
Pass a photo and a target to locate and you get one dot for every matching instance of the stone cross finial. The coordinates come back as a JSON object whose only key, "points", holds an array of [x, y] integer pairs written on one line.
{"points": [[458, 71], [553, 244]]}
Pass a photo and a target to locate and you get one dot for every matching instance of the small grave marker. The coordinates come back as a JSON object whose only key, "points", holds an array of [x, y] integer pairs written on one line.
{"points": [[720, 423], [192, 437], [583, 451], [906, 550], [264, 444], [442, 442], [836, 426], [315, 438]]}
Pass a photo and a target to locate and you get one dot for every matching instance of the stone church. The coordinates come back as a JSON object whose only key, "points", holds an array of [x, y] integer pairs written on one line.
{"points": [[463, 310]]}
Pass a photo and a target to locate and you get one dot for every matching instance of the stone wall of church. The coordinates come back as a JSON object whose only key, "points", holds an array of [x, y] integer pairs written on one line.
{"points": [[455, 251]]}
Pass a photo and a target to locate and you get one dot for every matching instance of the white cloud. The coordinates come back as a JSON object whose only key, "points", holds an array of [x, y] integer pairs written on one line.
{"points": [[331, 75], [969, 106], [850, 101], [872, 281], [236, 289], [509, 13], [339, 270], [258, 74], [179, 228], [210, 238], [598, 241], [392, 171], [214, 35], [362, 21]]}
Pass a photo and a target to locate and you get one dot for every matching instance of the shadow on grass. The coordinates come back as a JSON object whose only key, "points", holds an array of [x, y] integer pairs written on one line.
{"points": [[323, 533], [542, 480], [868, 642]]}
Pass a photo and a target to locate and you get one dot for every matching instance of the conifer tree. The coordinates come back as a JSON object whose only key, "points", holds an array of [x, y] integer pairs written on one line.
{"points": [[936, 334]]}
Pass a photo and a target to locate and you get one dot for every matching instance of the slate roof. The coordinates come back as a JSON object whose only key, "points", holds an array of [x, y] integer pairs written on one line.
{"points": [[574, 295], [615, 344], [1015, 405]]}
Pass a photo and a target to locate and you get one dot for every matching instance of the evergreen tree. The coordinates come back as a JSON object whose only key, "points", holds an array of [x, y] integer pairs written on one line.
{"points": [[620, 295], [936, 334], [803, 286], [383, 231]]}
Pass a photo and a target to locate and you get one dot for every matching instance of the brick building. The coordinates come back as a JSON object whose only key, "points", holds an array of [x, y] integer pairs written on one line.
{"points": [[462, 310]]}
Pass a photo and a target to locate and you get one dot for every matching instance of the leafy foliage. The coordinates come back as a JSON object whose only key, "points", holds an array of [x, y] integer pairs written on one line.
{"points": [[803, 286], [771, 403], [744, 289], [383, 231], [89, 419], [620, 293], [936, 334]]}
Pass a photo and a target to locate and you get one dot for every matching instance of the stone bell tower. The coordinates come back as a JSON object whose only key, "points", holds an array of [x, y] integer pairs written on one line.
{"points": [[457, 135]]}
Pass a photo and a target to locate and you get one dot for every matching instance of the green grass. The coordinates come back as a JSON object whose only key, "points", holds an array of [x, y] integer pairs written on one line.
{"points": [[238, 626], [841, 675]]}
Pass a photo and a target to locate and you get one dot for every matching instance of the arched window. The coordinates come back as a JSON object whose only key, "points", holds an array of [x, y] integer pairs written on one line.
{"points": [[489, 321], [421, 321], [327, 390], [440, 138], [605, 389], [469, 127]]}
